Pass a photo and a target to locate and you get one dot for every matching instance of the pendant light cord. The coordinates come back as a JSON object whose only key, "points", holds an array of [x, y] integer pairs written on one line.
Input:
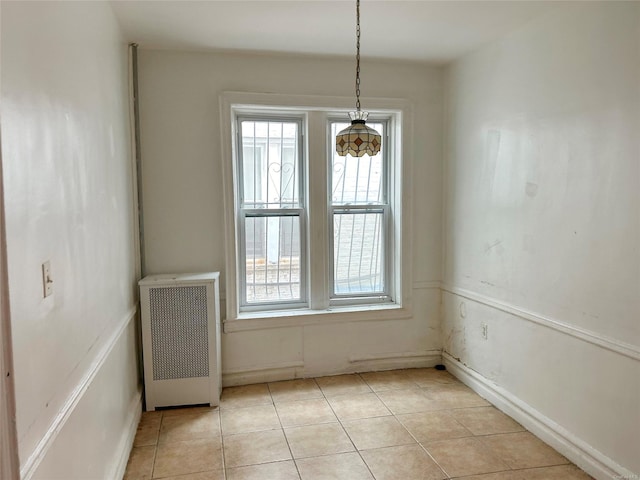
{"points": [[358, 55]]}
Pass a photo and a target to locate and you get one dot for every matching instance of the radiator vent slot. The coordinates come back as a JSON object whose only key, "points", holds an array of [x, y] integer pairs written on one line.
{"points": [[179, 332]]}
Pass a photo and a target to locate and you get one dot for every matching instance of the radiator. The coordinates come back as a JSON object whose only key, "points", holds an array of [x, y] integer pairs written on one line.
{"points": [[181, 339]]}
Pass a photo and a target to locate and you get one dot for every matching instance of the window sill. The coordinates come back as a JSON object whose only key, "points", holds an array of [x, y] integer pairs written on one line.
{"points": [[301, 317]]}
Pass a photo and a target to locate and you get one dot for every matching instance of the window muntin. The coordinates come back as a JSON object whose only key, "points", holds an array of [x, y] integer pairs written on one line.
{"points": [[271, 212], [360, 212]]}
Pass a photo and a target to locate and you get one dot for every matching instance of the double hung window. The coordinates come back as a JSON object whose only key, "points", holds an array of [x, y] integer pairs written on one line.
{"points": [[288, 179], [271, 216], [359, 211]]}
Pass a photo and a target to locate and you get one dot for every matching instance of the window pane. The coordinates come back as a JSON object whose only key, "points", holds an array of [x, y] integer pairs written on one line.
{"points": [[270, 167], [356, 180], [358, 253], [272, 253]]}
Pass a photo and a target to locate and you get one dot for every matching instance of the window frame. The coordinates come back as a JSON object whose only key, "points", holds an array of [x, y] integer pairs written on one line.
{"points": [[387, 294], [242, 212], [317, 110]]}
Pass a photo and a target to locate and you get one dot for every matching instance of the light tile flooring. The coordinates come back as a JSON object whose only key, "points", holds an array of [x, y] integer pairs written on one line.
{"points": [[420, 424]]}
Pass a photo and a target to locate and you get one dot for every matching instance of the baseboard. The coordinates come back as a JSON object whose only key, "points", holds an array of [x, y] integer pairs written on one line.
{"points": [[364, 363], [262, 374], [586, 457], [126, 443], [393, 361]]}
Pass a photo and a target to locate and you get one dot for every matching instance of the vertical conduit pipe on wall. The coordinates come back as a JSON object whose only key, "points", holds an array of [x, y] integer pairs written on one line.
{"points": [[136, 172], [137, 156]]}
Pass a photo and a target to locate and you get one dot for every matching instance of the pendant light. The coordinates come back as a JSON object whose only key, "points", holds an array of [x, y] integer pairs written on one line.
{"points": [[358, 139]]}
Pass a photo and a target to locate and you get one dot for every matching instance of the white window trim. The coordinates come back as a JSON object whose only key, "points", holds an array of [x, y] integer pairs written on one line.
{"points": [[319, 311]]}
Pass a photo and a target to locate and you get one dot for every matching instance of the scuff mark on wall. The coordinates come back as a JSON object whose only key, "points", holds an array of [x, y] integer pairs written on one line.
{"points": [[531, 189], [495, 244]]}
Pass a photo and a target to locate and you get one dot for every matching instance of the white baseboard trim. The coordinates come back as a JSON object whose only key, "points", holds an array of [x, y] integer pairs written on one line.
{"points": [[126, 443], [386, 361], [262, 374], [364, 363], [423, 354], [29, 467], [579, 452], [611, 344], [378, 365]]}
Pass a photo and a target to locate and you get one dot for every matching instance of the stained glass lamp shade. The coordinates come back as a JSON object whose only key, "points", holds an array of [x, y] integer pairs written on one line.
{"points": [[358, 138]]}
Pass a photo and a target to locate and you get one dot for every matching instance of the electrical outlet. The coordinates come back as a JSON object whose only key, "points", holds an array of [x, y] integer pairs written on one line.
{"points": [[47, 281], [485, 331]]}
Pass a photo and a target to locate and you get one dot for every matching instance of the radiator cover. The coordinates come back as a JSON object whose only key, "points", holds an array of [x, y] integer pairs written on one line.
{"points": [[181, 339]]}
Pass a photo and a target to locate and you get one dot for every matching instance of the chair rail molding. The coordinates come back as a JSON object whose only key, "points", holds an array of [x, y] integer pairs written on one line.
{"points": [[611, 344]]}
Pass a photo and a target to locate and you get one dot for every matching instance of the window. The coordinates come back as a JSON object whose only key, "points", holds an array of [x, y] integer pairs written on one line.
{"points": [[271, 212], [360, 224], [309, 232]]}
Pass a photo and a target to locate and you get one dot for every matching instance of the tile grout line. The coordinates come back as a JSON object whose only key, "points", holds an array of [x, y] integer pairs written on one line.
{"points": [[224, 459], [473, 435], [286, 439], [339, 422], [479, 437], [345, 430], [155, 449], [392, 414], [413, 436]]}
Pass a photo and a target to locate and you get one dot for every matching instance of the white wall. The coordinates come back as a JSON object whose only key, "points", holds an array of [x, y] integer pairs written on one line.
{"points": [[542, 208], [68, 191], [183, 198], [95, 441]]}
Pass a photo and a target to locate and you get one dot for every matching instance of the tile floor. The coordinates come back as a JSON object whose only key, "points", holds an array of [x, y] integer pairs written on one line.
{"points": [[420, 424]]}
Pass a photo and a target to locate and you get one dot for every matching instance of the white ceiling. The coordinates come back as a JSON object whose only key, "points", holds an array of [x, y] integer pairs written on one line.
{"points": [[419, 30]]}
